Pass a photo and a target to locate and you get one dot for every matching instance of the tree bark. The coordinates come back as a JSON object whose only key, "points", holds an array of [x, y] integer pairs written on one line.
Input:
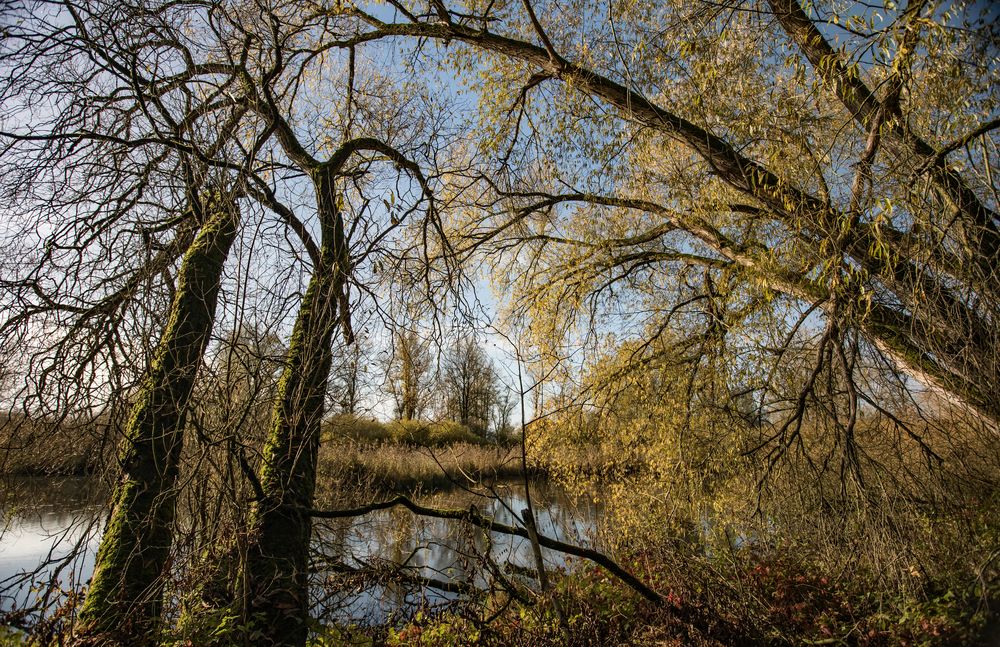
{"points": [[278, 559], [123, 603]]}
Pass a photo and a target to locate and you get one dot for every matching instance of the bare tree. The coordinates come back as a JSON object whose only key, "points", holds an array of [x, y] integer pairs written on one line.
{"points": [[287, 43], [502, 413], [468, 386], [348, 377], [409, 376], [123, 135]]}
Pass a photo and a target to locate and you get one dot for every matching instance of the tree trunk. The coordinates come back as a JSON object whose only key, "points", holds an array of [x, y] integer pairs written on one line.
{"points": [[278, 559], [123, 603]]}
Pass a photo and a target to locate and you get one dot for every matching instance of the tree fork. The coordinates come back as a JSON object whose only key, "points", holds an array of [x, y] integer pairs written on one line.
{"points": [[123, 602]]}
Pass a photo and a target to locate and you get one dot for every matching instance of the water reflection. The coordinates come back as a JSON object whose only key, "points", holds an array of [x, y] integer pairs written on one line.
{"points": [[441, 549], [47, 520], [48, 536]]}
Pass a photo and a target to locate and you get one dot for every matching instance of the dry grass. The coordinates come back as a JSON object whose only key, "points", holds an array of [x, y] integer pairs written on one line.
{"points": [[351, 465], [41, 448]]}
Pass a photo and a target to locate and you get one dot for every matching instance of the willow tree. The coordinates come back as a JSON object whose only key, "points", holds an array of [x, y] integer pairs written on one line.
{"points": [[120, 177], [736, 137]]}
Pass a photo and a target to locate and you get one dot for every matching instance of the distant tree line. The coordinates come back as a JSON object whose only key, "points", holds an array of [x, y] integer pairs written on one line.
{"points": [[459, 383]]}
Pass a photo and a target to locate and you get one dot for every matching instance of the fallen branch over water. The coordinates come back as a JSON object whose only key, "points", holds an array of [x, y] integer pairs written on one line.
{"points": [[474, 517], [397, 574]]}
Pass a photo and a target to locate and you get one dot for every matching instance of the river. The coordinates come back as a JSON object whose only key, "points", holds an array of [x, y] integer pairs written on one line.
{"points": [[49, 521]]}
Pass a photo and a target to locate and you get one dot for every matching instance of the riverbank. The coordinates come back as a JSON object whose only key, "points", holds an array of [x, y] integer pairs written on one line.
{"points": [[724, 576], [51, 448], [388, 466], [773, 598], [398, 455], [713, 590]]}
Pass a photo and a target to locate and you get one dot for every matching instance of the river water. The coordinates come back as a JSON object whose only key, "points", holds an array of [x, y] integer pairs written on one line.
{"points": [[49, 521], [48, 534]]}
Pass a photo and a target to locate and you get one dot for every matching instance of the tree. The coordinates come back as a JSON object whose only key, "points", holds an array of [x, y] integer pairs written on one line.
{"points": [[408, 375], [277, 566], [503, 410], [468, 386], [795, 180], [288, 43], [130, 152], [348, 378]]}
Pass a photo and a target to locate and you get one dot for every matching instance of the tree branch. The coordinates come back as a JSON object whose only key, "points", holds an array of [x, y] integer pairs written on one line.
{"points": [[473, 516]]}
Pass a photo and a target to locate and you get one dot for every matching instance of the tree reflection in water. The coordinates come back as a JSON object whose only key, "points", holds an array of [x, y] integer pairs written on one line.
{"points": [[51, 528]]}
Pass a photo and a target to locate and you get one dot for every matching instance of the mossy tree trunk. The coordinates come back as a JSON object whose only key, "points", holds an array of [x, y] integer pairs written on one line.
{"points": [[123, 603], [278, 558]]}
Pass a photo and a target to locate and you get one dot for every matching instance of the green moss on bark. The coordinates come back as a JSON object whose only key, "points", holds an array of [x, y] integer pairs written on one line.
{"points": [[278, 559], [124, 600]]}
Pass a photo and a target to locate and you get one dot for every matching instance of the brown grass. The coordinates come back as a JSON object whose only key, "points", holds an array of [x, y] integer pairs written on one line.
{"points": [[42, 448], [351, 465]]}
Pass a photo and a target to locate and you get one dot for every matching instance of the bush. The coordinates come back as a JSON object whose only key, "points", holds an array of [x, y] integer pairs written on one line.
{"points": [[431, 434], [346, 426], [413, 432]]}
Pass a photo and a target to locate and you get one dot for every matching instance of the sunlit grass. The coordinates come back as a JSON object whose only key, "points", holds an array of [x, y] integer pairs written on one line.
{"points": [[386, 465]]}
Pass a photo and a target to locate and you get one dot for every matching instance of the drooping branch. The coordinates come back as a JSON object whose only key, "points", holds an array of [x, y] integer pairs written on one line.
{"points": [[474, 517], [909, 150], [811, 217], [919, 349]]}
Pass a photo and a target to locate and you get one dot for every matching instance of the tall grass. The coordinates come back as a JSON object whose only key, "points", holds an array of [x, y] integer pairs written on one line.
{"points": [[40, 447], [347, 465], [362, 455]]}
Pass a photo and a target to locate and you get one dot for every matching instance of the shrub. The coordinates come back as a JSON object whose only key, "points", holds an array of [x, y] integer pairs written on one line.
{"points": [[413, 432], [346, 426], [431, 434]]}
